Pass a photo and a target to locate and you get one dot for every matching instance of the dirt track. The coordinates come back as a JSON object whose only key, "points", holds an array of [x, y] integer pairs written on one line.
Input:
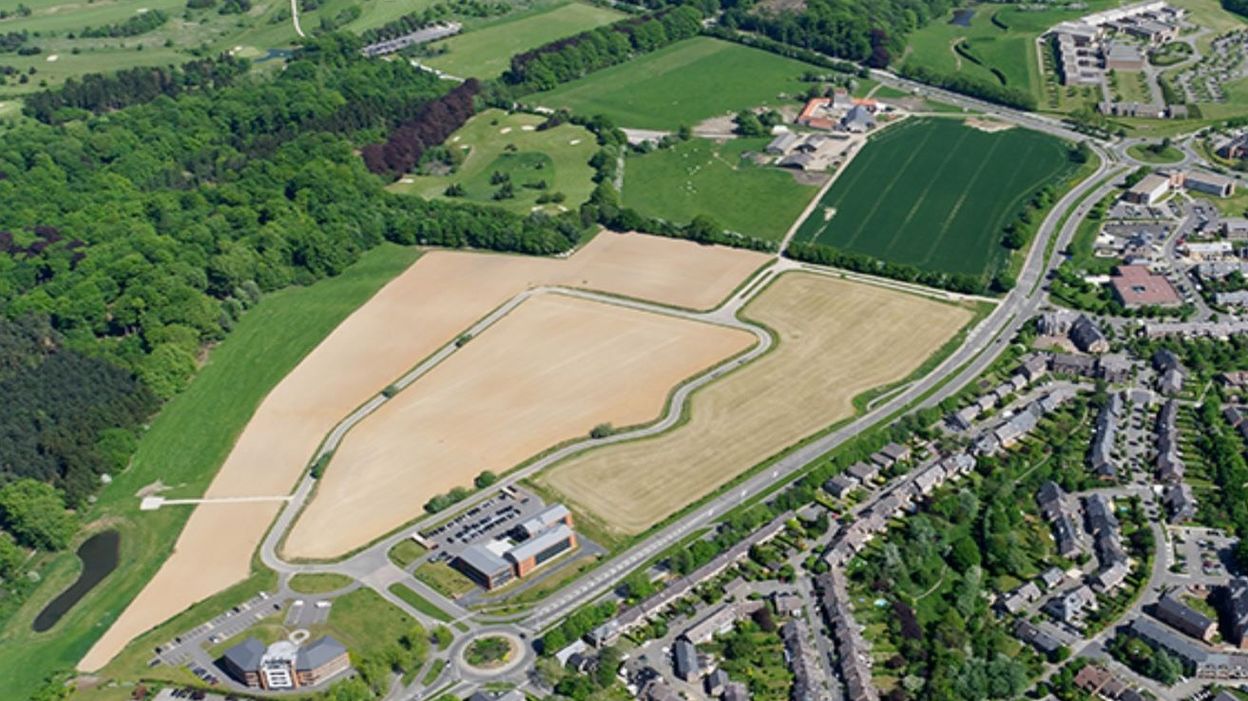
{"points": [[837, 340], [424, 308], [548, 372]]}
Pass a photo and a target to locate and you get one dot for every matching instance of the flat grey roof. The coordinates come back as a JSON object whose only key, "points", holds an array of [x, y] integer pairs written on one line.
{"points": [[538, 543], [483, 560]]}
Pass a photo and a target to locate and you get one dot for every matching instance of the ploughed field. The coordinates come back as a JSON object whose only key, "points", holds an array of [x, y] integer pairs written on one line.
{"points": [[548, 372], [426, 307], [837, 339], [935, 194]]}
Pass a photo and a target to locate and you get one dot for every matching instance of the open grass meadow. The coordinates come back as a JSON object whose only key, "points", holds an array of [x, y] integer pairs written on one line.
{"points": [[497, 142], [702, 177], [996, 45], [486, 51], [183, 449], [935, 194], [682, 84]]}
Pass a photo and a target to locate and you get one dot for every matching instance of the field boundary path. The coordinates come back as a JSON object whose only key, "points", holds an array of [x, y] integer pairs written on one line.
{"points": [[294, 17], [372, 566]]}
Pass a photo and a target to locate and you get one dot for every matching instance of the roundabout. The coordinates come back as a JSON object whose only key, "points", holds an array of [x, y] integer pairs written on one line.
{"points": [[490, 653]]}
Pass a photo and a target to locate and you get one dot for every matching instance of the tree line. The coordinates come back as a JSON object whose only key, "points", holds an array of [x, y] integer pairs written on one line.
{"points": [[822, 254], [100, 92], [432, 125], [982, 89], [133, 26], [570, 58]]}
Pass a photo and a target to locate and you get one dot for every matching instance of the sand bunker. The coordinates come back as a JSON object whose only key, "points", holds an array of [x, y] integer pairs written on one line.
{"points": [[548, 372], [426, 307]]}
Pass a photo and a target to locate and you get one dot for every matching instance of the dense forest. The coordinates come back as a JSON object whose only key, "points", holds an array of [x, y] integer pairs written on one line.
{"points": [[573, 57], [130, 240], [98, 92], [433, 124], [869, 31]]}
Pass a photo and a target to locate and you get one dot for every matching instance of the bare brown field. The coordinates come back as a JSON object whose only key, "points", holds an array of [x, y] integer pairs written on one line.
{"points": [[548, 372], [837, 340], [442, 294]]}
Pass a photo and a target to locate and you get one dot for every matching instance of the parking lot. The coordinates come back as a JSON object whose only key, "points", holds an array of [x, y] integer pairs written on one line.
{"points": [[184, 648], [489, 519], [307, 612], [1205, 552]]}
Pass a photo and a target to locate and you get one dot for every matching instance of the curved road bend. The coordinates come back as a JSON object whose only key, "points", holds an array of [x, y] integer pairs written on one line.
{"points": [[372, 566], [980, 348]]}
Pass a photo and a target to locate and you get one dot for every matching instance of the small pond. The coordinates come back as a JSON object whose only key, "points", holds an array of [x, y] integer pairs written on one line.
{"points": [[962, 17], [99, 555]]}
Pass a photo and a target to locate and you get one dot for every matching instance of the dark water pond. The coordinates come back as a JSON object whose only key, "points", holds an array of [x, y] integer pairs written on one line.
{"points": [[962, 18], [99, 558]]}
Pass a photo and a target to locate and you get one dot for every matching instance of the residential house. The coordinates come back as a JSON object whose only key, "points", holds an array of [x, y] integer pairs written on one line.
{"points": [[1185, 619]]}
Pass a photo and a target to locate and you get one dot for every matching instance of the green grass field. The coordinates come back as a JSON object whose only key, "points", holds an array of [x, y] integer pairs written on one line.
{"points": [[682, 84], [319, 583], [559, 157], [485, 52], [1009, 49], [935, 194], [184, 447], [1162, 156], [419, 602], [700, 176]]}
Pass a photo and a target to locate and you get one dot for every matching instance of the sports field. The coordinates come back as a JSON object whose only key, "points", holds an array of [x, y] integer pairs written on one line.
{"points": [[496, 142], [837, 339], [702, 177], [548, 372], [682, 84], [422, 309], [486, 51], [935, 194]]}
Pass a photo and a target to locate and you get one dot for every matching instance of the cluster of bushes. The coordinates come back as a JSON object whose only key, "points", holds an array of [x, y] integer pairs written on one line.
{"points": [[98, 92], [13, 42], [860, 262], [344, 17], [957, 82], [433, 124], [570, 58], [576, 625], [134, 26]]}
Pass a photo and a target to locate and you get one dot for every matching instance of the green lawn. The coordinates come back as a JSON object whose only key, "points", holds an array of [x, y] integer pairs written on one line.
{"points": [[419, 602], [935, 194], [407, 552], [319, 583], [700, 176], [486, 52], [682, 84], [1161, 156], [559, 157], [1129, 87], [366, 623], [444, 579], [184, 447]]}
